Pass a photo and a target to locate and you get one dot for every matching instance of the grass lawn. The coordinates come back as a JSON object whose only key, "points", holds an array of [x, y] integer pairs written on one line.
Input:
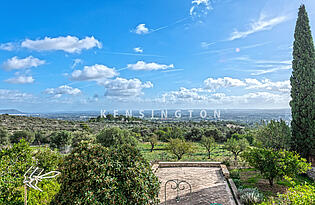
{"points": [[199, 153]]}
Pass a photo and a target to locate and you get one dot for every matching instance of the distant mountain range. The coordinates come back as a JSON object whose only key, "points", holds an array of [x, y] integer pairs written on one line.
{"points": [[248, 116], [10, 111]]}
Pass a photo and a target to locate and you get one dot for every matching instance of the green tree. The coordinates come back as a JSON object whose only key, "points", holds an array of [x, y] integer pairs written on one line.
{"points": [[4, 137], [275, 134], [194, 134], [115, 136], [60, 139], [14, 162], [275, 164], [179, 147], [236, 146], [94, 174], [79, 136], [153, 139], [208, 143], [303, 86], [18, 135], [215, 133]]}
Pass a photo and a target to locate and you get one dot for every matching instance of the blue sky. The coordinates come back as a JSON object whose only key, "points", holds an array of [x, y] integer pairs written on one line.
{"points": [[91, 55]]}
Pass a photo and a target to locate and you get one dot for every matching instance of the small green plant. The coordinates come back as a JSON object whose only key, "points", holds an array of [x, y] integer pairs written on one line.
{"points": [[249, 196], [298, 195]]}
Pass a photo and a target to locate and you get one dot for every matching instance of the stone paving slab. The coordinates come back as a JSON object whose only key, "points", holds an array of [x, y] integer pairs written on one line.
{"points": [[207, 183]]}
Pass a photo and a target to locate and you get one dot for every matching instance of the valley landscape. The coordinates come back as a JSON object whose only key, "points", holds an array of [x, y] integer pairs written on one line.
{"points": [[164, 104]]}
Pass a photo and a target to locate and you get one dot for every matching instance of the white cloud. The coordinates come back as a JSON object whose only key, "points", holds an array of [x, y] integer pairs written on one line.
{"points": [[14, 95], [266, 84], [260, 25], [141, 29], [124, 88], [62, 90], [141, 65], [265, 71], [16, 63], [225, 82], [70, 44], [94, 72], [7, 46], [138, 50], [183, 94], [20, 80], [200, 7]]}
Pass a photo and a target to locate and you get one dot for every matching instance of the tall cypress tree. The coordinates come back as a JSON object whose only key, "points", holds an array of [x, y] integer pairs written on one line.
{"points": [[303, 87]]}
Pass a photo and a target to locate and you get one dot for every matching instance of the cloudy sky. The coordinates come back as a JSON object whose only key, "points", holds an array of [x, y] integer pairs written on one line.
{"points": [[91, 55]]}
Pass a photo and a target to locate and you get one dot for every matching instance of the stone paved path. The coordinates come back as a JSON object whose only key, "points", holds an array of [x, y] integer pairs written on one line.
{"points": [[208, 186]]}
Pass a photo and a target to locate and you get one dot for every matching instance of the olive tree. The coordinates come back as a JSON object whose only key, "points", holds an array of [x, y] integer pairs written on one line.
{"points": [[179, 147], [208, 143], [236, 146]]}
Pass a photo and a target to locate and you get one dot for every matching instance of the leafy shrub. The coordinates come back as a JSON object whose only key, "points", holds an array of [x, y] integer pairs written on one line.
{"points": [[4, 137], [50, 188], [276, 164], [81, 136], [94, 174], [47, 159], [250, 196], [235, 174], [115, 136], [60, 139], [298, 195], [41, 138], [14, 162], [18, 135]]}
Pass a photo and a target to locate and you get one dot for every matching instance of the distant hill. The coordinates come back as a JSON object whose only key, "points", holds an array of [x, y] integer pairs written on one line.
{"points": [[10, 111]]}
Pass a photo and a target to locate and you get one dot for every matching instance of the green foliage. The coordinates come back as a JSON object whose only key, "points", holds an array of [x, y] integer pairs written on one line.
{"points": [[298, 195], [47, 159], [215, 133], [303, 86], [208, 143], [236, 146], [50, 188], [275, 164], [179, 147], [115, 136], [79, 136], [85, 127], [14, 162], [275, 134], [41, 138], [94, 174], [18, 135], [153, 139], [4, 137], [194, 134], [60, 139]]}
